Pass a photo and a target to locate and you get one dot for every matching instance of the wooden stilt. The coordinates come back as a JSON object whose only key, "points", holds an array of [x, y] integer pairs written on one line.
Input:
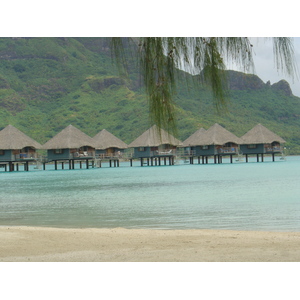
{"points": [[231, 158], [87, 163], [44, 166], [262, 157], [62, 165], [206, 159], [130, 162], [17, 166], [55, 164], [273, 156], [257, 156], [246, 158]]}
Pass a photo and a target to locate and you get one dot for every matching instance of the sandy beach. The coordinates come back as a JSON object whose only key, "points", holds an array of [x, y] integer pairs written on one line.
{"points": [[38, 244]]}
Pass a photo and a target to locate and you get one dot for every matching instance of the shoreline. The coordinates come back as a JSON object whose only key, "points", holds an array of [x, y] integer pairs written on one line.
{"points": [[49, 244]]}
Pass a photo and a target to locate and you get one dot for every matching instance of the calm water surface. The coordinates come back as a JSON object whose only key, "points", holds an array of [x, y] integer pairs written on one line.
{"points": [[241, 196]]}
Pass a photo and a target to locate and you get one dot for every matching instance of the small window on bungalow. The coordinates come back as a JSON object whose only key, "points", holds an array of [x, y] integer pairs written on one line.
{"points": [[2, 152], [205, 147], [141, 149], [252, 146], [58, 151]]}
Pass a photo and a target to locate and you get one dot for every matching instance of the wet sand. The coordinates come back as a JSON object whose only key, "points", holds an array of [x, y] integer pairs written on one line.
{"points": [[38, 244]]}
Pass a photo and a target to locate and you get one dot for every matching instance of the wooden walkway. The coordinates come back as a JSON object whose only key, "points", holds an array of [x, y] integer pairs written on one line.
{"points": [[116, 162]]}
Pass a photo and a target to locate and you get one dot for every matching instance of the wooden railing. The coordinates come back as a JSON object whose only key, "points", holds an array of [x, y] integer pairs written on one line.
{"points": [[26, 156], [83, 154], [273, 148], [181, 152], [113, 155], [228, 150], [164, 152]]}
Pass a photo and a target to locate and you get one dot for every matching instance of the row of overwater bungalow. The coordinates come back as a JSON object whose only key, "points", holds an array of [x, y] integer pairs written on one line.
{"points": [[153, 147]]}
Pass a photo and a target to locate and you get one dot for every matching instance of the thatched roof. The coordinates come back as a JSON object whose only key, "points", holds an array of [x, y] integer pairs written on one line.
{"points": [[69, 138], [261, 135], [105, 140], [153, 138], [12, 138], [217, 135], [194, 139]]}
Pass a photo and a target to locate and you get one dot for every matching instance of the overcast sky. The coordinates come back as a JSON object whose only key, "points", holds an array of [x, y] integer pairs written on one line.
{"points": [[265, 66]]}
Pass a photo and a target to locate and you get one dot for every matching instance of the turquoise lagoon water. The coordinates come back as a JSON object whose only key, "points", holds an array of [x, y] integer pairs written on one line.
{"points": [[238, 196]]}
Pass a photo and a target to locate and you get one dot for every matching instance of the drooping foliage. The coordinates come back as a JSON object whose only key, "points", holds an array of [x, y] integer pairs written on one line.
{"points": [[161, 58]]}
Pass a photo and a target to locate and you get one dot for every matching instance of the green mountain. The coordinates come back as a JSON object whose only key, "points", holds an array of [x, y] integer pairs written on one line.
{"points": [[48, 83]]}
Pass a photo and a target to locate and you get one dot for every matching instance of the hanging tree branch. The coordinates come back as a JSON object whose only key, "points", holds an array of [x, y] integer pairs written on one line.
{"points": [[161, 57]]}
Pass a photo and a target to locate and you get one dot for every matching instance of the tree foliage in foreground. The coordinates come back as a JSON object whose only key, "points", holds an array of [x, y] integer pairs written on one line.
{"points": [[160, 59]]}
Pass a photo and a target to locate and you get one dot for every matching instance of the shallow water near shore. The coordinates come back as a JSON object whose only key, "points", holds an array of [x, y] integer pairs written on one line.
{"points": [[238, 196]]}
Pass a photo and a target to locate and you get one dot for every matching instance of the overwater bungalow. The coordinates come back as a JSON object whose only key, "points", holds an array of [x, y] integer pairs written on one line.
{"points": [[108, 145], [71, 144], [216, 141], [191, 145], [16, 147], [155, 146], [260, 140]]}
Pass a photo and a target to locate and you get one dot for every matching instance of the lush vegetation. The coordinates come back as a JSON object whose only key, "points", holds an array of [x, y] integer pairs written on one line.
{"points": [[48, 83]]}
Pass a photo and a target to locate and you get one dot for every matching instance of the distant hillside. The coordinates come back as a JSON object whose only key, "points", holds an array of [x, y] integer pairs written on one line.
{"points": [[48, 83]]}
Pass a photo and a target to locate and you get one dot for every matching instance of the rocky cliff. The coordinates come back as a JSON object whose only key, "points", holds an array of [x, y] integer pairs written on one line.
{"points": [[242, 81]]}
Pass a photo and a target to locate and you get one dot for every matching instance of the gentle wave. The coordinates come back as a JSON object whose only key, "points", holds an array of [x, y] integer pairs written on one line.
{"points": [[239, 196]]}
